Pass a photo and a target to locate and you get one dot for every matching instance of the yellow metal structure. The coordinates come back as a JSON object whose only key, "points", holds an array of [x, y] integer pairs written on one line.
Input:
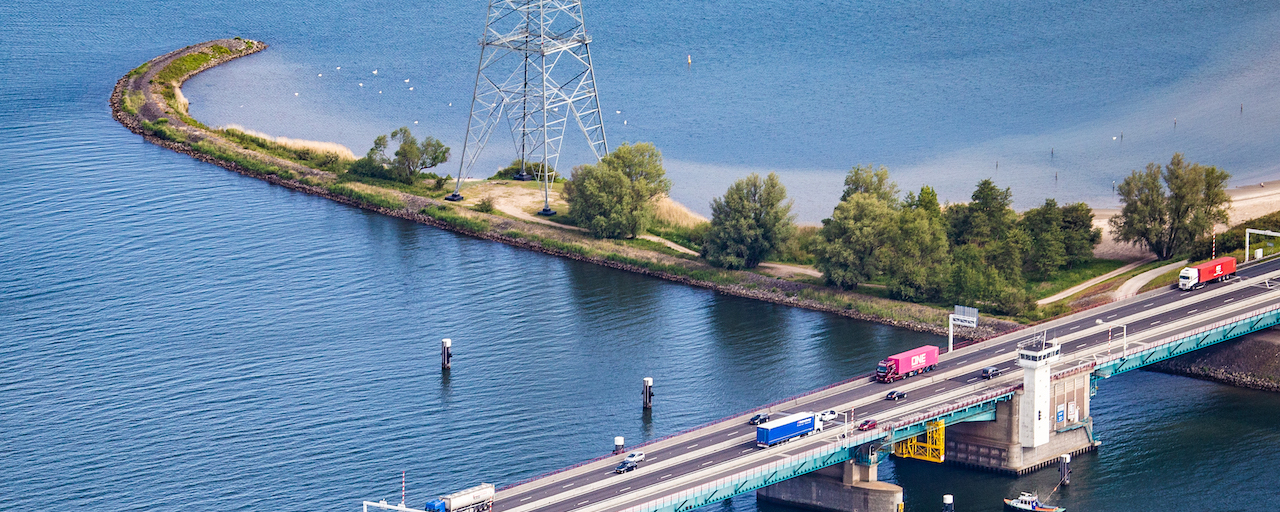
{"points": [[931, 448]]}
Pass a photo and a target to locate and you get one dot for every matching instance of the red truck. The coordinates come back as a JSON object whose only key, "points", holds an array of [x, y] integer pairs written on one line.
{"points": [[1196, 276], [906, 364]]}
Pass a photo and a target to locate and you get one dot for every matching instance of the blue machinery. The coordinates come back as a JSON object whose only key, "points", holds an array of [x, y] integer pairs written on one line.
{"points": [[864, 447]]}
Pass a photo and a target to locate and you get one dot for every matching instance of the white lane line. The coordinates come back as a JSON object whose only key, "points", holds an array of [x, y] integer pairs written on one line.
{"points": [[1229, 299], [745, 451], [1001, 350], [1074, 328], [1155, 322], [1006, 368], [525, 498], [971, 380], [1082, 344], [691, 446], [566, 485], [734, 432], [583, 502], [963, 362], [1192, 311], [939, 390], [664, 476], [708, 462], [1148, 304], [625, 489], [1112, 316]]}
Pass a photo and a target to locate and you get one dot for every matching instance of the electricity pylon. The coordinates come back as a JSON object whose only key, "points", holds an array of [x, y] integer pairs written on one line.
{"points": [[535, 72]]}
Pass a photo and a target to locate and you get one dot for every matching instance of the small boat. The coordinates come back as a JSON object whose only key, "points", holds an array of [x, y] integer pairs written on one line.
{"points": [[1030, 501]]}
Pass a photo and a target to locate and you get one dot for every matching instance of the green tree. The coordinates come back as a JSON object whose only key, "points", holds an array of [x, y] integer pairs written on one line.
{"points": [[1167, 220], [850, 249], [917, 255], [1046, 249], [987, 217], [410, 158], [749, 223], [1079, 237], [614, 197], [867, 180]]}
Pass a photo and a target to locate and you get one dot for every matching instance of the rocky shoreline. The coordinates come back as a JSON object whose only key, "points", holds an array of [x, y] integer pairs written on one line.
{"points": [[750, 285]]}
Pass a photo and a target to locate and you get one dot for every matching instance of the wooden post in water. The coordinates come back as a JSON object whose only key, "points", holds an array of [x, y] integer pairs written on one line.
{"points": [[646, 394], [1064, 469], [446, 354]]}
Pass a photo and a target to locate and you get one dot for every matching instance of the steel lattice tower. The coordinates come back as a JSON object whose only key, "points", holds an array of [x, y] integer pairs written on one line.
{"points": [[535, 72]]}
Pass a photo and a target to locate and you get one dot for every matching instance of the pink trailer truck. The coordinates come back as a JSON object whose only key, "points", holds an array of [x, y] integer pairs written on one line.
{"points": [[906, 364]]}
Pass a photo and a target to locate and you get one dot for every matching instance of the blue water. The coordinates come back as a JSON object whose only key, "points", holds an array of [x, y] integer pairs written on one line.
{"points": [[174, 336]]}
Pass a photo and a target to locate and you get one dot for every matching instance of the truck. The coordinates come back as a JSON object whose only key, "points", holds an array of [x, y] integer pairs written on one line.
{"points": [[784, 429], [475, 499], [1196, 276], [907, 364]]}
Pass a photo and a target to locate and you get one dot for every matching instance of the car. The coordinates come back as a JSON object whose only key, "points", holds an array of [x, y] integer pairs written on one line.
{"points": [[625, 466], [758, 419], [990, 372], [636, 457], [827, 416], [867, 425], [895, 395]]}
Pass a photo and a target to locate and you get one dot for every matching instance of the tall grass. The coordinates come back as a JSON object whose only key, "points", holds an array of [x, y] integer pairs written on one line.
{"points": [[367, 194], [450, 216], [308, 154], [160, 128], [252, 164], [298, 144], [667, 211]]}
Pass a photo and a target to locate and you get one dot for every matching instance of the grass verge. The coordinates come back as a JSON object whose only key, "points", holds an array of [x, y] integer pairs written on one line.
{"points": [[452, 217]]}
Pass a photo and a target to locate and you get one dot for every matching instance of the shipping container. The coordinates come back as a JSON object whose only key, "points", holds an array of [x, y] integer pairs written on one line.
{"points": [[782, 429], [906, 364], [1196, 276]]}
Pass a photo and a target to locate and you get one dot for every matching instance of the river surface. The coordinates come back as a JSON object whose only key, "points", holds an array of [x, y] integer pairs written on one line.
{"points": [[174, 336]]}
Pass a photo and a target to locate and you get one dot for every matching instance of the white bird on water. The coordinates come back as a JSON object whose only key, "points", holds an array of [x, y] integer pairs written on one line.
{"points": [[319, 74], [339, 67], [410, 88], [406, 80], [375, 71], [295, 94]]}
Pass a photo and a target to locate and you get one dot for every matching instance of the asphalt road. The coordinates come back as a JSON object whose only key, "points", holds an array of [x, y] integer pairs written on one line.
{"points": [[734, 438]]}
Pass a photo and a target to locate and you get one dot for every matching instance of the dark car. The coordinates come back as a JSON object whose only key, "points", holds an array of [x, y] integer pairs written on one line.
{"points": [[867, 425], [758, 419], [990, 372], [627, 465], [895, 395]]}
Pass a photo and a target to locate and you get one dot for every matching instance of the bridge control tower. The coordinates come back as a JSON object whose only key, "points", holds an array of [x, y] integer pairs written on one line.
{"points": [[1036, 421]]}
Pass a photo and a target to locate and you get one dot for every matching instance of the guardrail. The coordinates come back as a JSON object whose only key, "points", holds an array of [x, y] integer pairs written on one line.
{"points": [[1125, 354], [709, 490], [934, 413]]}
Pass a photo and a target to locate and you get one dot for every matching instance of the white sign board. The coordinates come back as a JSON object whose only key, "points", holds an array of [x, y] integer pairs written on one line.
{"points": [[964, 321]]}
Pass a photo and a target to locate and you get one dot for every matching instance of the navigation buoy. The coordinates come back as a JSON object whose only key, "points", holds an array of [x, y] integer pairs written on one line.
{"points": [[617, 445]]}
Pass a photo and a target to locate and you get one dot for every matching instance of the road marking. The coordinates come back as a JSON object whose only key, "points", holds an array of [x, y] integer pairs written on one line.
{"points": [[745, 451], [525, 498], [1074, 328], [1230, 299], [1155, 322], [939, 390], [971, 380], [566, 485], [624, 490], [708, 462], [1148, 304], [734, 432], [1112, 316], [1192, 311], [584, 502], [664, 476], [691, 446], [1082, 344], [963, 362], [1001, 350]]}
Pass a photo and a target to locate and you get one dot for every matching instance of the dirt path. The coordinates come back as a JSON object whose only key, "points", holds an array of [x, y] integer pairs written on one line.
{"points": [[1134, 284]]}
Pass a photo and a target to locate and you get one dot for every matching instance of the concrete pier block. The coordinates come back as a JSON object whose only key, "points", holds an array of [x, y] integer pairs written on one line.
{"points": [[821, 492]]}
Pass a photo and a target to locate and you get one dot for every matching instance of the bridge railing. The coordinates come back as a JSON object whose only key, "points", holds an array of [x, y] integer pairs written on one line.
{"points": [[1125, 354], [688, 430], [714, 486], [939, 411]]}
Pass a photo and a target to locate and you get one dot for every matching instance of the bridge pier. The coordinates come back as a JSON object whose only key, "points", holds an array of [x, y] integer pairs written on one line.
{"points": [[844, 487]]}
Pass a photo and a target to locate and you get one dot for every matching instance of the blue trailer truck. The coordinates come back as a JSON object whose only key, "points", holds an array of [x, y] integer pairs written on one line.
{"points": [[782, 429]]}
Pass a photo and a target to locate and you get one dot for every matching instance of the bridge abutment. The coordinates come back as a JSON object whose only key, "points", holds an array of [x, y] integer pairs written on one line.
{"points": [[844, 487]]}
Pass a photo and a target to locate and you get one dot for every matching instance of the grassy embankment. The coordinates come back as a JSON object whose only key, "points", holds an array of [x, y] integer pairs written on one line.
{"points": [[1235, 234]]}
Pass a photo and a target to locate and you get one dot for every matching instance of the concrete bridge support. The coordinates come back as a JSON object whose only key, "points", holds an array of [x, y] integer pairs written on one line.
{"points": [[844, 487]]}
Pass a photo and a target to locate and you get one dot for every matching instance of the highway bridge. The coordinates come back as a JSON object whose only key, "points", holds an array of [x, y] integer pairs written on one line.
{"points": [[1034, 411]]}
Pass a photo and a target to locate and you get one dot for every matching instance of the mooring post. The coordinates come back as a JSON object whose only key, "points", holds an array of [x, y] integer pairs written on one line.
{"points": [[446, 353], [646, 393], [1064, 469], [617, 445], [947, 503]]}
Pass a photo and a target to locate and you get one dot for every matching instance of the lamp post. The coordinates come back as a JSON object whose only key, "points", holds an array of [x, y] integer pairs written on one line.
{"points": [[1124, 333]]}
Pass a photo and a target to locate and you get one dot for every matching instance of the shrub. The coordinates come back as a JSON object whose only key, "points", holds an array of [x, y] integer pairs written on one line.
{"points": [[449, 216], [485, 205], [384, 201]]}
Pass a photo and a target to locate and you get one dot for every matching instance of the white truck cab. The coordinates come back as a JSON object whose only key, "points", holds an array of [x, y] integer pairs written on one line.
{"points": [[1188, 278]]}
